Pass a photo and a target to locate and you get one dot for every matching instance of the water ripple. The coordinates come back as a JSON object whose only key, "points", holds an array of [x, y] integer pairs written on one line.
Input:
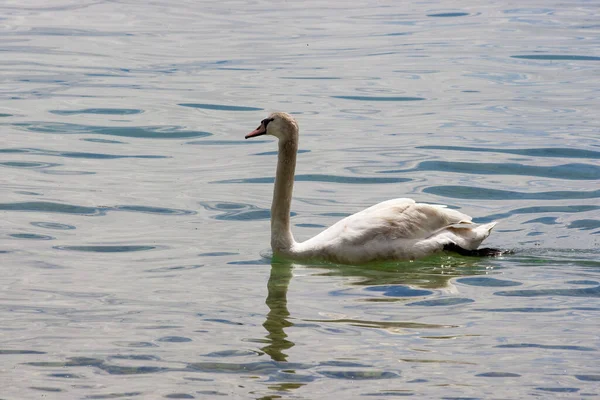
{"points": [[69, 154], [544, 346], [556, 57], [467, 192], [379, 98], [567, 171], [106, 248], [238, 211], [592, 292], [450, 14], [101, 111], [145, 132], [559, 152], [28, 164], [542, 209], [220, 107], [50, 207]]}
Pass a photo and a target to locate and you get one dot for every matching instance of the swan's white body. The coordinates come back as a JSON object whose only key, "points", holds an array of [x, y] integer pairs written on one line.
{"points": [[398, 229]]}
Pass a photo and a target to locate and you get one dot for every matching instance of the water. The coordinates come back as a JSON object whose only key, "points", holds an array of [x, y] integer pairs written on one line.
{"points": [[134, 241]]}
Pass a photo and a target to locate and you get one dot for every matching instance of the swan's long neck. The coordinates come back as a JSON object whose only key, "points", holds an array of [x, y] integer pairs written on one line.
{"points": [[282, 239]]}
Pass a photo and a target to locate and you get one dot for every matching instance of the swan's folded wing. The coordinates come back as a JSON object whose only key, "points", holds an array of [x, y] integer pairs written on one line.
{"points": [[391, 220]]}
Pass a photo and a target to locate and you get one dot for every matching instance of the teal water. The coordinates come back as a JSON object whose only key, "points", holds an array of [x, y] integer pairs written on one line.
{"points": [[135, 234]]}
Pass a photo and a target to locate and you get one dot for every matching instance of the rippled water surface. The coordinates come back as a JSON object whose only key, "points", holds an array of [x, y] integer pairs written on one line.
{"points": [[134, 237]]}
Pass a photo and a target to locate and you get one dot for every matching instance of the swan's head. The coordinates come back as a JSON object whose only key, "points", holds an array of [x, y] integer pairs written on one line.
{"points": [[281, 125]]}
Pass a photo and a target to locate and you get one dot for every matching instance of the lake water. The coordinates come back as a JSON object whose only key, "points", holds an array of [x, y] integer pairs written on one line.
{"points": [[135, 236]]}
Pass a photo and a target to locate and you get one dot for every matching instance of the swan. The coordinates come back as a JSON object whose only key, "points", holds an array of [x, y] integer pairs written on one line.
{"points": [[393, 230]]}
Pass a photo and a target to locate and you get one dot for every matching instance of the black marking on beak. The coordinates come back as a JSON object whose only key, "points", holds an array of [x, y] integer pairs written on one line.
{"points": [[266, 121]]}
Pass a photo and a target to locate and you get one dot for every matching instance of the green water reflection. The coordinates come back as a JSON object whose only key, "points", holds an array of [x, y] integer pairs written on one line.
{"points": [[432, 273]]}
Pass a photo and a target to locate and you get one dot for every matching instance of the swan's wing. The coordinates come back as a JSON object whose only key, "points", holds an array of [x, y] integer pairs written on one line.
{"points": [[391, 220]]}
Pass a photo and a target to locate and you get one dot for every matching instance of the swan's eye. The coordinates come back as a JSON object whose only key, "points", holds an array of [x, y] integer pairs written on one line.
{"points": [[266, 121]]}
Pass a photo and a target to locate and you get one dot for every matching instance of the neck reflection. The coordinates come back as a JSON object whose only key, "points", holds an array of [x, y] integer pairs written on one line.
{"points": [[277, 318]]}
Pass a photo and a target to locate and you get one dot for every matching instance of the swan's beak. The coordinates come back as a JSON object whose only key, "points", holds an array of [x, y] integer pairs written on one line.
{"points": [[261, 130]]}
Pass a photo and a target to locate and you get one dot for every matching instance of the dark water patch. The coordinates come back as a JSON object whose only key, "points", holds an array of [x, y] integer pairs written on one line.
{"points": [[250, 262], [588, 378], [218, 254], [558, 389], [219, 107], [487, 282], [543, 220], [335, 214], [46, 389], [66, 173], [442, 302], [3, 115], [12, 352], [176, 268], [106, 248], [584, 224], [96, 140], [28, 193], [179, 396], [343, 364], [391, 393], [311, 77], [50, 207], [232, 353], [153, 210], [448, 15], [237, 211], [135, 345], [535, 234], [545, 347], [469, 192], [65, 375], [119, 370], [213, 392], [521, 309], [323, 178], [174, 339], [135, 357], [583, 282], [399, 291], [53, 225], [310, 226], [32, 236], [558, 152], [223, 321], [379, 98], [359, 375], [28, 164], [593, 292], [113, 395], [566, 171], [142, 132], [556, 57], [498, 375], [258, 368], [383, 324], [101, 111]]}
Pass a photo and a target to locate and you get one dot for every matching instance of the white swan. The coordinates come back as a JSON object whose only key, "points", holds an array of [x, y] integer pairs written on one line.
{"points": [[398, 229]]}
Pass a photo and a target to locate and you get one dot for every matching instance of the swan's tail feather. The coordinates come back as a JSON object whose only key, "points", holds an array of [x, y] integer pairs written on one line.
{"points": [[483, 252], [469, 237]]}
